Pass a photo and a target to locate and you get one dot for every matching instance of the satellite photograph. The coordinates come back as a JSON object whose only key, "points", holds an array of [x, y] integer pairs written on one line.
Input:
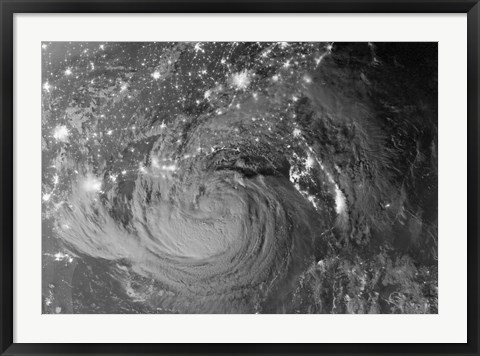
{"points": [[239, 177]]}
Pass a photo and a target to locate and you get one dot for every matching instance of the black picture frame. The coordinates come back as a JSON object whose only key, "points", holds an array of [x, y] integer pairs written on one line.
{"points": [[10, 7]]}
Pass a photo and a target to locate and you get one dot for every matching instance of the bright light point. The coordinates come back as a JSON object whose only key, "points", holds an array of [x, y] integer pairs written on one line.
{"points": [[311, 199], [44, 46], [296, 132], [307, 79], [124, 87], [162, 126], [156, 75], [275, 78], [46, 86], [198, 47], [60, 256], [61, 133], [68, 71], [109, 133], [46, 197], [286, 64], [92, 184], [124, 172], [102, 47], [283, 44], [329, 47], [241, 80]]}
